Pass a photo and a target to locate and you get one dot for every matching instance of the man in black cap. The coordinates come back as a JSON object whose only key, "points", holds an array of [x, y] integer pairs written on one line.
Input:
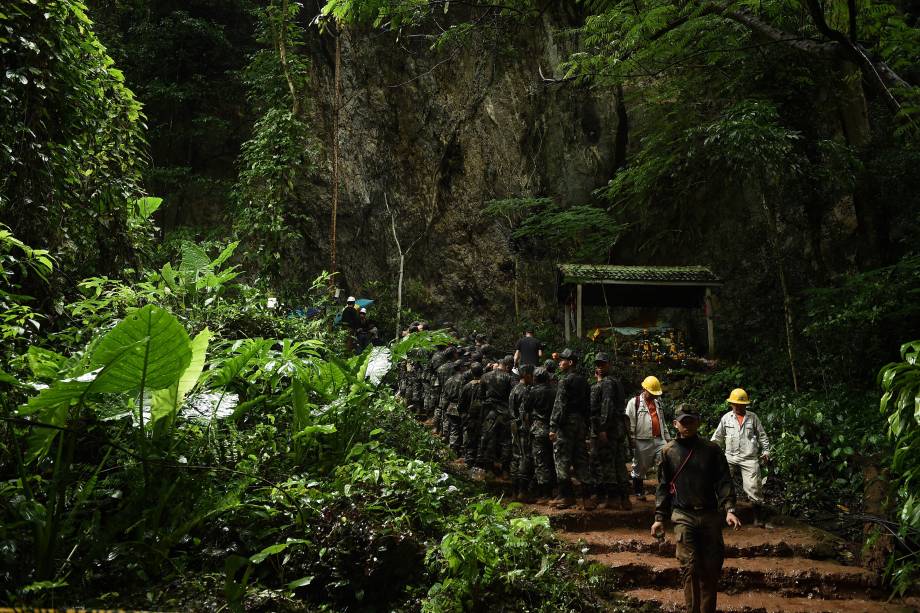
{"points": [[569, 430], [695, 489], [609, 436], [495, 440]]}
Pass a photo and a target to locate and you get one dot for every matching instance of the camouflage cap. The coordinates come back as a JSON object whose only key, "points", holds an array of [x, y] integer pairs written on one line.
{"points": [[685, 411], [601, 356], [568, 354]]}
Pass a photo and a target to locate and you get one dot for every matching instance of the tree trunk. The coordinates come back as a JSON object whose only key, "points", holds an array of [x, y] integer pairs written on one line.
{"points": [[622, 136], [336, 108], [773, 240], [399, 285]]}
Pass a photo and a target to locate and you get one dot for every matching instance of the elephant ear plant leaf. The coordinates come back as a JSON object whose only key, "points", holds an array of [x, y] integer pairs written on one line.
{"points": [[167, 402], [148, 350]]}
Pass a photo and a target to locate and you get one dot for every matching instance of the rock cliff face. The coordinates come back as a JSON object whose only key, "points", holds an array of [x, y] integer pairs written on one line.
{"points": [[437, 135]]}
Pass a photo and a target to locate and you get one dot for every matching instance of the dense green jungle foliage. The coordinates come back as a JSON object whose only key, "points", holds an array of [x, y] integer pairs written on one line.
{"points": [[185, 444], [167, 440]]}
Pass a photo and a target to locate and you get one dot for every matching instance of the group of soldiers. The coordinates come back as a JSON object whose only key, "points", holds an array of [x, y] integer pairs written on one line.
{"points": [[540, 423], [545, 423]]}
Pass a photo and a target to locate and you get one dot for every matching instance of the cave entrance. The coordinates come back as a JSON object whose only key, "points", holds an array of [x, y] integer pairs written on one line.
{"points": [[640, 296]]}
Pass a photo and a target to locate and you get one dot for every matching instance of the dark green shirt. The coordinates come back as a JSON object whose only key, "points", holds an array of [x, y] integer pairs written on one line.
{"points": [[704, 484]]}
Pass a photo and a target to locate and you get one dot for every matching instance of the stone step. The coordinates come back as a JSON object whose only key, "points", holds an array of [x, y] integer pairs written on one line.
{"points": [[780, 541], [790, 576], [771, 602], [642, 515]]}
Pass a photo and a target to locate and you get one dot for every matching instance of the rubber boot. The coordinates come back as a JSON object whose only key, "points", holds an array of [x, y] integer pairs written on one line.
{"points": [[566, 498], [760, 516], [588, 497], [638, 488]]}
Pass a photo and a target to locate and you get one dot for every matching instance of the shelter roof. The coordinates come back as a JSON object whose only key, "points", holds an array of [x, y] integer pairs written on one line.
{"points": [[637, 275]]}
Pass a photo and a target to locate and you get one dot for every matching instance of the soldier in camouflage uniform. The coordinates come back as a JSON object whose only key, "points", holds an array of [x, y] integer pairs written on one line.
{"points": [[470, 408], [609, 436], [450, 396], [415, 387], [540, 401], [431, 385], [444, 372], [495, 439], [521, 455], [568, 427]]}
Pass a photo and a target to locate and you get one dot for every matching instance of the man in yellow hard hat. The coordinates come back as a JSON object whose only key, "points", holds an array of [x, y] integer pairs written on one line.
{"points": [[746, 444], [648, 431]]}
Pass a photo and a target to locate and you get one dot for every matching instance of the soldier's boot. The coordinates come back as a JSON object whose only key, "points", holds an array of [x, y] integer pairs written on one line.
{"points": [[639, 488], [610, 499], [602, 496], [544, 493], [528, 491], [625, 504], [588, 497], [566, 498]]}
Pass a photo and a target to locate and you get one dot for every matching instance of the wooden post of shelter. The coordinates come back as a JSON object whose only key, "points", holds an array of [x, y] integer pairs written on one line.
{"points": [[710, 326], [565, 319], [578, 312]]}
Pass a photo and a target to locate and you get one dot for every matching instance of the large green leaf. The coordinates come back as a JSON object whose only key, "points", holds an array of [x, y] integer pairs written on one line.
{"points": [[146, 206], [50, 408], [149, 349], [166, 402], [195, 260]]}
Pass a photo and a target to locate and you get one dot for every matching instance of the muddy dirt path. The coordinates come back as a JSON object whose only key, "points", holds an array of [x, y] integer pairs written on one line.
{"points": [[788, 568]]}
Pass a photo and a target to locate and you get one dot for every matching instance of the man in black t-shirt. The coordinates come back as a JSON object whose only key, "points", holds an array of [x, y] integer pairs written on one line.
{"points": [[528, 350]]}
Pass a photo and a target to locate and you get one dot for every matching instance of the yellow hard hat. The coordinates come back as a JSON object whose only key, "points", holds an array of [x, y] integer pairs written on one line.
{"points": [[738, 396], [652, 385]]}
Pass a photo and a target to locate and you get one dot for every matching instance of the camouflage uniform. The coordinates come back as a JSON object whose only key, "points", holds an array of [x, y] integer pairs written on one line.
{"points": [[432, 385], [416, 386], [540, 400], [569, 420], [450, 396], [445, 371], [470, 407], [608, 460], [521, 456], [495, 439]]}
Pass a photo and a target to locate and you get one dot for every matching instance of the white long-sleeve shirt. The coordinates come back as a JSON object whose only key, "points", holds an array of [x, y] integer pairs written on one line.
{"points": [[748, 441]]}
